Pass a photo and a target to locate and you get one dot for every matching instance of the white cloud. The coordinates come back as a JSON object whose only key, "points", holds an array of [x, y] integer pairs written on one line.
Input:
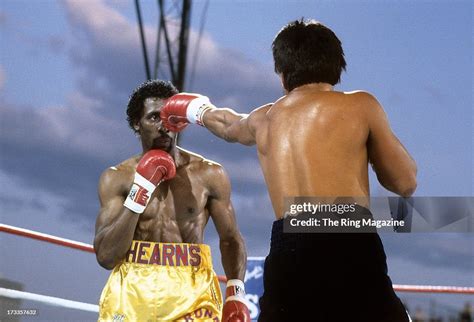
{"points": [[109, 50], [71, 129], [80, 101], [102, 22]]}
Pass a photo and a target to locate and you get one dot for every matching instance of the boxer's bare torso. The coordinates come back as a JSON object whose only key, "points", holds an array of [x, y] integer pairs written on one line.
{"points": [[316, 142], [177, 210]]}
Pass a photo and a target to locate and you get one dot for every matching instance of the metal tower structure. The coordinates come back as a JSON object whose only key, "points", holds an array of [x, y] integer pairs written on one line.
{"points": [[171, 42]]}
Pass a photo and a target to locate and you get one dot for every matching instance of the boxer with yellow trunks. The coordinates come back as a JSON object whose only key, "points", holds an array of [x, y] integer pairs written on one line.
{"points": [[163, 282], [154, 208]]}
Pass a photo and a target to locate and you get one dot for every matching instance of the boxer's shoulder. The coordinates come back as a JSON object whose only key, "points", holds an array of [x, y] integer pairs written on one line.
{"points": [[358, 92], [360, 96], [364, 102], [207, 169], [258, 116], [197, 161], [126, 167], [120, 174], [261, 111]]}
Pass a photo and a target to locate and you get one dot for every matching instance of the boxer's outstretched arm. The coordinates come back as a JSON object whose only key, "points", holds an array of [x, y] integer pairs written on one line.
{"points": [[219, 205], [115, 225], [395, 168], [229, 125], [184, 108], [233, 127]]}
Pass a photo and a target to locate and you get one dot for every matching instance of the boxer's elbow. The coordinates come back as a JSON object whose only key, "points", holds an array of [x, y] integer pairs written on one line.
{"points": [[106, 259], [408, 182], [408, 187], [400, 180], [404, 187]]}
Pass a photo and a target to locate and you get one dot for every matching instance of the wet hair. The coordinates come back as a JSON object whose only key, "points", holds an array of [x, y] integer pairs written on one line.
{"points": [[151, 88], [306, 51]]}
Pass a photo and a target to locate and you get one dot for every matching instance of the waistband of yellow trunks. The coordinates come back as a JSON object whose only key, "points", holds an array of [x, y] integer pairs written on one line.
{"points": [[169, 254]]}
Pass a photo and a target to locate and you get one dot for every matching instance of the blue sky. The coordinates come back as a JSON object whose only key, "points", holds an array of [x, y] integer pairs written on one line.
{"points": [[67, 68]]}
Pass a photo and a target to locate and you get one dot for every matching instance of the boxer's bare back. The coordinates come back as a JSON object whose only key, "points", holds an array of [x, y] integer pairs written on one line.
{"points": [[319, 142]]}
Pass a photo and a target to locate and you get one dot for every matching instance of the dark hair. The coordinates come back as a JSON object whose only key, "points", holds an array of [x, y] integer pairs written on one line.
{"points": [[150, 88], [306, 51]]}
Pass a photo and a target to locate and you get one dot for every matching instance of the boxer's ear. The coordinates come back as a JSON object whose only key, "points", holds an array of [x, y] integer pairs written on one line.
{"points": [[136, 127]]}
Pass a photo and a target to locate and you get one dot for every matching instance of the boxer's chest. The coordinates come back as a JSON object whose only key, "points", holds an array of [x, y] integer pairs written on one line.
{"points": [[181, 199]]}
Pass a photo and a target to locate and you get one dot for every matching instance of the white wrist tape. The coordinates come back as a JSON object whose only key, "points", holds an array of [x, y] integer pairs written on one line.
{"points": [[196, 109], [235, 291], [139, 194], [142, 181], [236, 282], [235, 287]]}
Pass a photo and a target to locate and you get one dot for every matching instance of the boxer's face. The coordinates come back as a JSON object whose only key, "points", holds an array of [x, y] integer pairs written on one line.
{"points": [[152, 132]]}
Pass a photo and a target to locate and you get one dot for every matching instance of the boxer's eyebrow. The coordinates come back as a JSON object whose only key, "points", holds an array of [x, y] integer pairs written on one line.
{"points": [[153, 113]]}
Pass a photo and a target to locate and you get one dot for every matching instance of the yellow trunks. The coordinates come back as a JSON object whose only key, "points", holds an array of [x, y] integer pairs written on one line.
{"points": [[162, 282]]}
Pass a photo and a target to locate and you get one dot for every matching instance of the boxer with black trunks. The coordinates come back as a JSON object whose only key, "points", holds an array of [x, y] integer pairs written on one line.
{"points": [[150, 228], [315, 142]]}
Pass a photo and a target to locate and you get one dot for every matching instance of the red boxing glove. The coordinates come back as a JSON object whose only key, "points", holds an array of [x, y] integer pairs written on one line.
{"points": [[154, 167], [235, 306], [184, 108]]}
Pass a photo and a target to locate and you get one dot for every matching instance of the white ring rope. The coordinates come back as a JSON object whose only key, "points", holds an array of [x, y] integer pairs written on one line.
{"points": [[50, 300]]}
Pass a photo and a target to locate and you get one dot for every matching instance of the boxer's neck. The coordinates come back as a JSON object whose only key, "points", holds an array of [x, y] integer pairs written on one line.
{"points": [[178, 156], [324, 87]]}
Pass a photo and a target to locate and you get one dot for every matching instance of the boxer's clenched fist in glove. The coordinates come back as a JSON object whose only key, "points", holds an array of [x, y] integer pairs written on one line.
{"points": [[184, 108], [235, 306], [154, 166]]}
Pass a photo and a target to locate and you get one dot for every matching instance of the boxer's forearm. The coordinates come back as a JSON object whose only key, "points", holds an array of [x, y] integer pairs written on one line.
{"points": [[234, 258], [397, 171], [112, 242], [225, 124], [403, 186]]}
